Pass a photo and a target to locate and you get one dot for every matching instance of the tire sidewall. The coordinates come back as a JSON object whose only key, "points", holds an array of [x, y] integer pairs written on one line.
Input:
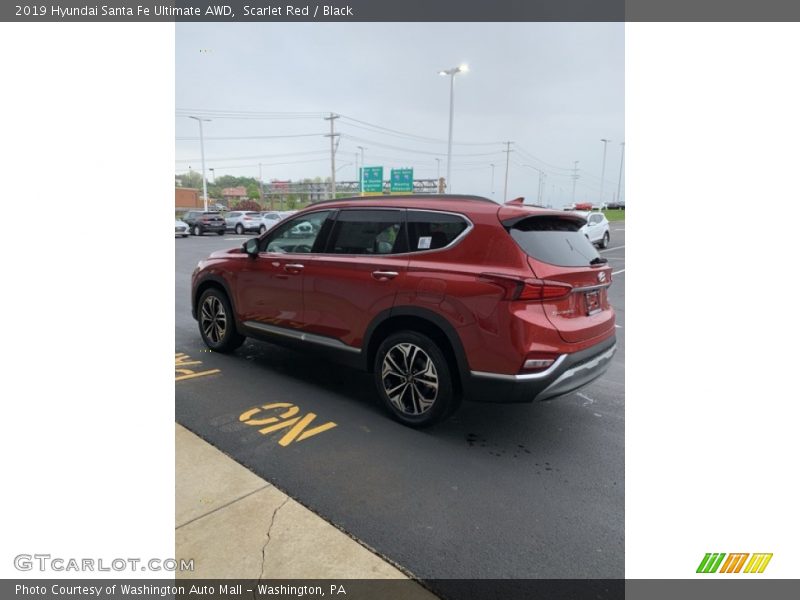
{"points": [[445, 398]]}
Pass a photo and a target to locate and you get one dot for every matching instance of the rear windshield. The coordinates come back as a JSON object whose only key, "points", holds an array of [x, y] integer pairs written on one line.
{"points": [[554, 240]]}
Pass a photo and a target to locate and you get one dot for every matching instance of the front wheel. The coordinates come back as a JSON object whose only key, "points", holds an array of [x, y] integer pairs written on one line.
{"points": [[215, 319], [413, 379], [605, 240], [262, 230]]}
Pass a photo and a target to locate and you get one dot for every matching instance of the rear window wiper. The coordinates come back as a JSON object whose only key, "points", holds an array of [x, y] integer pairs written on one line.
{"points": [[598, 261]]}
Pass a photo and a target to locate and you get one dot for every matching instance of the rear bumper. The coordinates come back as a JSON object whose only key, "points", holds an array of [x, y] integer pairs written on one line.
{"points": [[569, 373]]}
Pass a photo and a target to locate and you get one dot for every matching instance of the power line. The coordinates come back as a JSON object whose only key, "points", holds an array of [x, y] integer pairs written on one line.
{"points": [[188, 160], [250, 137]]}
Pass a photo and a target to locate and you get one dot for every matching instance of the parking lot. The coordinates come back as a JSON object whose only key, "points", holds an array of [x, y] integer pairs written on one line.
{"points": [[497, 491]]}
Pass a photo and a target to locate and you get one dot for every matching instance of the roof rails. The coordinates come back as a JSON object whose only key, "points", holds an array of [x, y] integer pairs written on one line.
{"points": [[412, 197]]}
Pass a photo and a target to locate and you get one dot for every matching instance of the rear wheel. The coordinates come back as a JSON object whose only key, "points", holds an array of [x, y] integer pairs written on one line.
{"points": [[215, 319], [414, 380], [197, 230], [605, 240], [239, 229]]}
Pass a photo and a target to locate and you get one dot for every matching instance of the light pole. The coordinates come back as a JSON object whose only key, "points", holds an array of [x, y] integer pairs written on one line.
{"points": [[603, 174], [452, 73], [574, 179], [438, 164], [492, 165], [619, 182], [203, 160]]}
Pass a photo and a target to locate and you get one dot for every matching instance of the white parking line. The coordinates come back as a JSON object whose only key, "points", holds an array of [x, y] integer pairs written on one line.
{"points": [[621, 229], [618, 326], [620, 271], [614, 248]]}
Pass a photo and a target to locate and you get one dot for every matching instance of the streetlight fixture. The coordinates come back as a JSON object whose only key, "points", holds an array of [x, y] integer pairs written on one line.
{"points": [[452, 73], [203, 160]]}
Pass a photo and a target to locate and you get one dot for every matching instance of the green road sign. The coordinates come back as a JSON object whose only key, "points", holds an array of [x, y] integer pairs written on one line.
{"points": [[372, 180], [402, 181]]}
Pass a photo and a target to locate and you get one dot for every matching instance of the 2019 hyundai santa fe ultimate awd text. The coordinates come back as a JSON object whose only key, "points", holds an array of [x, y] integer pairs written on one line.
{"points": [[442, 298]]}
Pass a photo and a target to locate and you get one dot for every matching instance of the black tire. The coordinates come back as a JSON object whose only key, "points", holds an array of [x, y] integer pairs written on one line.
{"points": [[239, 229], [262, 230], [221, 232], [605, 240], [185, 235], [197, 230], [426, 399], [216, 322]]}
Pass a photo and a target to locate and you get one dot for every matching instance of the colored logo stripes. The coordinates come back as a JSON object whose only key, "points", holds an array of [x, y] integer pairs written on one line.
{"points": [[734, 562]]}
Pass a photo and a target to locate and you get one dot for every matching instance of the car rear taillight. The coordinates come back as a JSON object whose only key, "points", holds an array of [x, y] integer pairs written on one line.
{"points": [[536, 362], [519, 288]]}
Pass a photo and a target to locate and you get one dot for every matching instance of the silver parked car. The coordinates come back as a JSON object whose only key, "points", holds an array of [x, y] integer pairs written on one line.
{"points": [[243, 220], [181, 228]]}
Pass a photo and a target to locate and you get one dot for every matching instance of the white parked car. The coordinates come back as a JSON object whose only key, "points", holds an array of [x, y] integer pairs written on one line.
{"points": [[181, 229], [243, 220], [596, 229], [269, 219]]}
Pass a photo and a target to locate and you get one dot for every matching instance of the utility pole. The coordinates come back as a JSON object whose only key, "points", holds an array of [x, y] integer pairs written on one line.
{"points": [[261, 185], [619, 182], [333, 135], [574, 179], [491, 165], [508, 155], [203, 160], [603, 174]]}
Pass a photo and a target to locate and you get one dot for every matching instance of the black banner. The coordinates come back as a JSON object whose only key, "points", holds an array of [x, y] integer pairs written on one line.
{"points": [[401, 10]]}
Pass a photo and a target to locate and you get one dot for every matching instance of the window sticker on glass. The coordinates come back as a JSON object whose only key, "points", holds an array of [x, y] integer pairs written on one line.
{"points": [[424, 242]]}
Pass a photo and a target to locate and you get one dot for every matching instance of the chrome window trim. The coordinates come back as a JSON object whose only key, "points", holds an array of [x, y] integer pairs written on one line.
{"points": [[302, 336], [456, 240]]}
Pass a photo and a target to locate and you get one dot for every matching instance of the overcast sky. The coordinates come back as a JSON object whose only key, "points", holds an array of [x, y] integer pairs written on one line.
{"points": [[553, 89]]}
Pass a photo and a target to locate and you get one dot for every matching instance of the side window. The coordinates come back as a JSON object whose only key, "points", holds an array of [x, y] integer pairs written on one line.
{"points": [[428, 230], [298, 235], [368, 232]]}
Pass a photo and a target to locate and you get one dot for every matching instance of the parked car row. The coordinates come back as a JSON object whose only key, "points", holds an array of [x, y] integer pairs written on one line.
{"points": [[198, 222]]}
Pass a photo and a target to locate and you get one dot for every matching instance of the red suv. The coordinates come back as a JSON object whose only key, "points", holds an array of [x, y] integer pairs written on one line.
{"points": [[443, 298]]}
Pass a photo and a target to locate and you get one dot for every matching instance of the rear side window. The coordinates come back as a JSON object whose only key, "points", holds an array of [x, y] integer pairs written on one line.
{"points": [[368, 232], [553, 239], [428, 230]]}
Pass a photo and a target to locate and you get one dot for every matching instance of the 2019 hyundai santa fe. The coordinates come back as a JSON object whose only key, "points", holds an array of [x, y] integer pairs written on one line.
{"points": [[442, 298]]}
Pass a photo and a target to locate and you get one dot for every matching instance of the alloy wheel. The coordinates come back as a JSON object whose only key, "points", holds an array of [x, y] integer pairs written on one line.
{"points": [[409, 379], [213, 319]]}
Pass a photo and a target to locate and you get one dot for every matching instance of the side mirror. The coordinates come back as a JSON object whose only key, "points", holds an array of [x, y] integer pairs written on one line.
{"points": [[251, 247]]}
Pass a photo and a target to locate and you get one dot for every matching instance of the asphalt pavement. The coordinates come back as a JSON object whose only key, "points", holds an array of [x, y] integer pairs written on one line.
{"points": [[497, 491]]}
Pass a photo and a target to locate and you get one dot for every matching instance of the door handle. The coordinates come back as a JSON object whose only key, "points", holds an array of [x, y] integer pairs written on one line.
{"points": [[293, 267], [384, 275]]}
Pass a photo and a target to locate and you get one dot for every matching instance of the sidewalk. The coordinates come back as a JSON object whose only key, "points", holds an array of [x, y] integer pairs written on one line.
{"points": [[236, 525]]}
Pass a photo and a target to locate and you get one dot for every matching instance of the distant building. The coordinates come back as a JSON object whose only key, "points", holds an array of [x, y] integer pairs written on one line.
{"points": [[234, 194], [186, 198]]}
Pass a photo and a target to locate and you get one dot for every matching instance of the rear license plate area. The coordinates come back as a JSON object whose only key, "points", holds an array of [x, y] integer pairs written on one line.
{"points": [[592, 300]]}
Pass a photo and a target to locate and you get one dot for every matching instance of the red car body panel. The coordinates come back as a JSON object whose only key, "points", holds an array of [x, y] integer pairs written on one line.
{"points": [[341, 297]]}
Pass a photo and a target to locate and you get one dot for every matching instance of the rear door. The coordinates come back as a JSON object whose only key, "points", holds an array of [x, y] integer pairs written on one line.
{"points": [[558, 251], [358, 275]]}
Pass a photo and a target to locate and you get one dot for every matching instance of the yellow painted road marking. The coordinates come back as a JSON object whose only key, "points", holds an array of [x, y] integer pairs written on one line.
{"points": [[182, 373], [298, 425]]}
